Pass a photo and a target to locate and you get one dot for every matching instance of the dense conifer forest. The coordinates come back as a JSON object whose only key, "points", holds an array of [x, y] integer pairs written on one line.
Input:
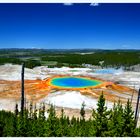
{"points": [[116, 122], [71, 58]]}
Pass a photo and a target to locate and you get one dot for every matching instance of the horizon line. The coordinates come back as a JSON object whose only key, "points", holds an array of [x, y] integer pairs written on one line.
{"points": [[74, 48]]}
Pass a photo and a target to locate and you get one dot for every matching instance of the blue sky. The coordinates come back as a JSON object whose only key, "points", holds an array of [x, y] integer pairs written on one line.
{"points": [[54, 26]]}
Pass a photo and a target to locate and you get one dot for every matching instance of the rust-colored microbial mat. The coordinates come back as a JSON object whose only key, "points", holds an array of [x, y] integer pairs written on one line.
{"points": [[39, 89]]}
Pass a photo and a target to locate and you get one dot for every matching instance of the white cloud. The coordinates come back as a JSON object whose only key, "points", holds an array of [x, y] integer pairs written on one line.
{"points": [[125, 46], [94, 4], [68, 4]]}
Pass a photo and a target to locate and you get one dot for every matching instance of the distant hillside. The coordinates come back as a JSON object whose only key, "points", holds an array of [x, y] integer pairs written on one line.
{"points": [[70, 57]]}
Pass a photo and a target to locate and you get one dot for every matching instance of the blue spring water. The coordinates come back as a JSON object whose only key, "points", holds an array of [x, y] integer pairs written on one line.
{"points": [[74, 82]]}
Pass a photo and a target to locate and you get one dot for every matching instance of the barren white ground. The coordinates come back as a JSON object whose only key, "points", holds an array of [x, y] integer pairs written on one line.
{"points": [[68, 99]]}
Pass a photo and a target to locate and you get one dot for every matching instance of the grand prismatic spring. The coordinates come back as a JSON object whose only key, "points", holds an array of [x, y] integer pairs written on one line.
{"points": [[38, 89], [74, 82]]}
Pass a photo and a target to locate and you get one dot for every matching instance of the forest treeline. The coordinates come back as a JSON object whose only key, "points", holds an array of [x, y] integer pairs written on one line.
{"points": [[116, 122], [113, 59], [109, 58]]}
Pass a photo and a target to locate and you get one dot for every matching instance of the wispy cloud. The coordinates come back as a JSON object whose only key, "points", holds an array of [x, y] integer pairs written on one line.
{"points": [[68, 4], [94, 4], [125, 46]]}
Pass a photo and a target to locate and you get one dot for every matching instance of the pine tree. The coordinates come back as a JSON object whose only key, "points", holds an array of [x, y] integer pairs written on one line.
{"points": [[15, 120], [32, 119], [31, 111], [72, 127], [35, 113], [116, 121], [22, 124], [137, 132], [7, 118], [1, 128], [82, 121], [129, 122], [8, 128], [16, 110], [40, 123], [82, 111], [63, 123], [42, 112], [52, 122], [100, 118], [62, 129], [91, 128]]}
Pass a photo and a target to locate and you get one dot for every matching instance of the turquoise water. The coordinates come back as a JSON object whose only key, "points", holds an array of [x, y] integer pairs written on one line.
{"points": [[109, 71], [74, 82]]}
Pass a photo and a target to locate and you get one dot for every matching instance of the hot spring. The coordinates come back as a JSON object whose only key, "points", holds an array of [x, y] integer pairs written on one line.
{"points": [[74, 82]]}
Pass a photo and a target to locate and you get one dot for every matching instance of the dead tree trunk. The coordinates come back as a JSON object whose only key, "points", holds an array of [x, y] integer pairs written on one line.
{"points": [[137, 108]]}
